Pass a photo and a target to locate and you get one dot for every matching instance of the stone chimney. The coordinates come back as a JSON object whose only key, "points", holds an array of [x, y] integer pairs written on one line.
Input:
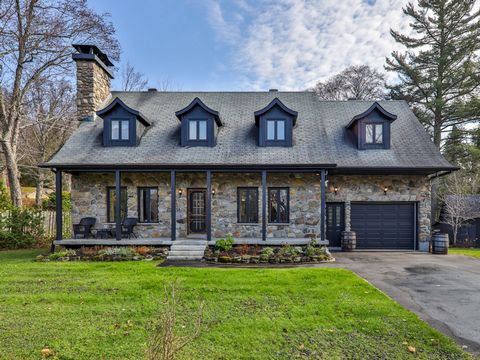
{"points": [[94, 72]]}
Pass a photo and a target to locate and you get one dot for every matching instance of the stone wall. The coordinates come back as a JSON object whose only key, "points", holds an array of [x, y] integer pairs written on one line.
{"points": [[89, 199], [93, 87]]}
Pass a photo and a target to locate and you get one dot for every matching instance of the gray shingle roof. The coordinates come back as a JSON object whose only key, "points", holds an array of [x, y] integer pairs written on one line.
{"points": [[318, 137]]}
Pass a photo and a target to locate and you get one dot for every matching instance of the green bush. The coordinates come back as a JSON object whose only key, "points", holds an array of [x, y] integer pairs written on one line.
{"points": [[267, 252], [63, 253], [21, 228], [289, 250], [50, 202], [224, 244], [118, 251]]}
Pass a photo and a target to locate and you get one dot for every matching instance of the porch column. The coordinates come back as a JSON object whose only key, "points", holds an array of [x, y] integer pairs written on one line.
{"points": [[264, 205], [173, 206], [209, 205], [118, 200], [323, 204], [58, 204]]}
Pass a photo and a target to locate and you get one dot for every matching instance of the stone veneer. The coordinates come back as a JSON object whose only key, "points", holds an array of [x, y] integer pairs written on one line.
{"points": [[89, 199], [93, 87]]}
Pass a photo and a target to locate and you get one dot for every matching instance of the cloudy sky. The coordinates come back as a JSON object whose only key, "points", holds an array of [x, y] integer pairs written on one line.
{"points": [[252, 44]]}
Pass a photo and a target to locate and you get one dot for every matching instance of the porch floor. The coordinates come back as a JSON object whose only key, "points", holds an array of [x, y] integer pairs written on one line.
{"points": [[168, 241]]}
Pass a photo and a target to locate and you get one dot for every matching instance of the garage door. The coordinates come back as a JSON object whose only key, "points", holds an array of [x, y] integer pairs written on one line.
{"points": [[384, 225]]}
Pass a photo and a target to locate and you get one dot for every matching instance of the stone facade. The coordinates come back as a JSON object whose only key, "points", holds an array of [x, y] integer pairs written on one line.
{"points": [[93, 87], [89, 199]]}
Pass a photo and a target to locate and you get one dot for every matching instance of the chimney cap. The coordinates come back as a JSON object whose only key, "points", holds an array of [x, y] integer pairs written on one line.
{"points": [[92, 49], [273, 90], [152, 89]]}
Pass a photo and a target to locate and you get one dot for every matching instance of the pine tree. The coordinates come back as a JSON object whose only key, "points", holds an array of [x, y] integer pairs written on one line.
{"points": [[454, 147], [440, 71]]}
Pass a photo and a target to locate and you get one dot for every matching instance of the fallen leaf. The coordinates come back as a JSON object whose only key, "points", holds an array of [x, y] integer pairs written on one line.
{"points": [[301, 347], [412, 349], [47, 352], [404, 343]]}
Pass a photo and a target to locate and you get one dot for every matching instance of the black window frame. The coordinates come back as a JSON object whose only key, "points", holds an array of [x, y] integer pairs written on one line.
{"points": [[143, 188], [247, 205], [120, 138], [278, 189], [374, 132], [111, 217], [275, 130], [197, 139]]}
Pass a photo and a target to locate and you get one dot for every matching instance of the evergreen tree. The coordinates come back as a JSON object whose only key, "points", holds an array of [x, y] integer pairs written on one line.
{"points": [[440, 71], [454, 147]]}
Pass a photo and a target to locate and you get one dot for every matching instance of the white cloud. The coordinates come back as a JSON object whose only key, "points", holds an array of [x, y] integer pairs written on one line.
{"points": [[291, 44]]}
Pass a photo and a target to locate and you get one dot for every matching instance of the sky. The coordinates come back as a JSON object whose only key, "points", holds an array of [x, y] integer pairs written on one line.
{"points": [[251, 44]]}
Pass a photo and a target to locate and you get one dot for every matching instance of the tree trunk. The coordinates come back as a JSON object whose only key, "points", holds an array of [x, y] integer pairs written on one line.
{"points": [[437, 131], [39, 191], [13, 175], [455, 229]]}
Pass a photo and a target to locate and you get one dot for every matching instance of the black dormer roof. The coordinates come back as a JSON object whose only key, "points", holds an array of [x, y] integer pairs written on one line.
{"points": [[117, 102], [200, 103], [375, 106], [275, 102]]}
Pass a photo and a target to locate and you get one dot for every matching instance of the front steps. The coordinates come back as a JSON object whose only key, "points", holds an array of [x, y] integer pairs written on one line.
{"points": [[186, 250]]}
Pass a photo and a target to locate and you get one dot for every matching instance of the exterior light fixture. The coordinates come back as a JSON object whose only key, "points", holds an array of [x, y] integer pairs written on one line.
{"points": [[385, 189], [180, 192], [335, 190], [213, 192]]}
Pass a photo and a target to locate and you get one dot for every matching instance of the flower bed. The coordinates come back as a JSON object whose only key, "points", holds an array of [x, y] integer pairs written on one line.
{"points": [[255, 254], [104, 253]]}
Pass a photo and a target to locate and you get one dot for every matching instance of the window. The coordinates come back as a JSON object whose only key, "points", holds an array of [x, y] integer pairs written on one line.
{"points": [[111, 200], [247, 204], [374, 133], [197, 130], [120, 130], [148, 204], [278, 205], [275, 130]]}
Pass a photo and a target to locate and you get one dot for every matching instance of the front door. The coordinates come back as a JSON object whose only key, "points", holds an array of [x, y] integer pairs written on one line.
{"points": [[335, 223], [196, 211]]}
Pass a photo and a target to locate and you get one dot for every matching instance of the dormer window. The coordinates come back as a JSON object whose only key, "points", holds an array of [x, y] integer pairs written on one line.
{"points": [[199, 124], [275, 124], [371, 129], [122, 125]]}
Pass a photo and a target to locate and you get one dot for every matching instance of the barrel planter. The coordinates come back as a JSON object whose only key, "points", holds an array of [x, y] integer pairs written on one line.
{"points": [[440, 243], [349, 240]]}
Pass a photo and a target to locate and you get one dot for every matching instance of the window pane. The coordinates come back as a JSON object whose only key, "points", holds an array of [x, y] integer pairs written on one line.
{"points": [[148, 205], [270, 130], [242, 205], [281, 130], [111, 198], [283, 206], [202, 130], [192, 132], [379, 133], [141, 207], [369, 133], [153, 205], [272, 205], [125, 129], [252, 206], [115, 130]]}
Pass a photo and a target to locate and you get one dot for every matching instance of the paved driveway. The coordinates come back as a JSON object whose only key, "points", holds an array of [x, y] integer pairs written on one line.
{"points": [[442, 290]]}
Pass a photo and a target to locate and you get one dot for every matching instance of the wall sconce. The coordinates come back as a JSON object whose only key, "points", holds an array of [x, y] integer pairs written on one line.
{"points": [[385, 189], [213, 192], [180, 192], [335, 190]]}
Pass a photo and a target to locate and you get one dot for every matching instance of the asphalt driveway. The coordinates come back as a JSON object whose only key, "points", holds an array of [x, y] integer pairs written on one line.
{"points": [[442, 290]]}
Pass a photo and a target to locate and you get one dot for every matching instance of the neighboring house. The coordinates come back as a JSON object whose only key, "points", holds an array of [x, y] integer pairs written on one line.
{"points": [[469, 232], [260, 165]]}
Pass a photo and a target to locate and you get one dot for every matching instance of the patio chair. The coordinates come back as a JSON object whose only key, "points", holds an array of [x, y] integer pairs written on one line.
{"points": [[127, 227], [84, 227]]}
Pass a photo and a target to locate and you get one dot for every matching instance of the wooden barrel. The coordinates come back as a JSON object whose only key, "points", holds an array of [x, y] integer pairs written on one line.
{"points": [[349, 240], [440, 243]]}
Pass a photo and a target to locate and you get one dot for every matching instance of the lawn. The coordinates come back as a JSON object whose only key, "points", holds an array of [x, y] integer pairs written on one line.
{"points": [[468, 252], [103, 311]]}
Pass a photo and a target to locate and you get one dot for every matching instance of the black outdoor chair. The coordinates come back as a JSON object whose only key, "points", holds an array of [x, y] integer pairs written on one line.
{"points": [[84, 227], [127, 227]]}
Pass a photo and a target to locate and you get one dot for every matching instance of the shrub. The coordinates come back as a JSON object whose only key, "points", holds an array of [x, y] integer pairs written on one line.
{"points": [[142, 250], [50, 202], [224, 244], [289, 250], [243, 249], [118, 251], [63, 253], [267, 252], [20, 228]]}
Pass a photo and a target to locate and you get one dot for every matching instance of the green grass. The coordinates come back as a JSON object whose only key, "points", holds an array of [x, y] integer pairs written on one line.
{"points": [[103, 310], [468, 252]]}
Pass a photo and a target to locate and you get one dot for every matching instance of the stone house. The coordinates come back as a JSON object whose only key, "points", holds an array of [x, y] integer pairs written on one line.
{"points": [[267, 167]]}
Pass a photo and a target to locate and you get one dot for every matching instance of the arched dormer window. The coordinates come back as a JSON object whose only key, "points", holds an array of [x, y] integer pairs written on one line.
{"points": [[275, 124], [198, 124], [371, 129]]}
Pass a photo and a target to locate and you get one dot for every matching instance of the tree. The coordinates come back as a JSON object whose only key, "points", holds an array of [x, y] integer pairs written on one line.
{"points": [[458, 206], [439, 73], [48, 121], [453, 148], [35, 41], [355, 82], [133, 80]]}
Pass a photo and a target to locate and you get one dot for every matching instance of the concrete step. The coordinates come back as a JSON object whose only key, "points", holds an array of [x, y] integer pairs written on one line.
{"points": [[187, 252], [188, 247], [183, 257], [189, 242]]}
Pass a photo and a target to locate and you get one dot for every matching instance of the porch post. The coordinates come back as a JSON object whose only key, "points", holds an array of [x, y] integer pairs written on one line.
{"points": [[264, 205], [173, 200], [118, 199], [323, 204], [58, 204], [209, 205]]}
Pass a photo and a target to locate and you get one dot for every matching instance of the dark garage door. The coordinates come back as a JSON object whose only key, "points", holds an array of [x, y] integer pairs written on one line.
{"points": [[383, 225]]}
